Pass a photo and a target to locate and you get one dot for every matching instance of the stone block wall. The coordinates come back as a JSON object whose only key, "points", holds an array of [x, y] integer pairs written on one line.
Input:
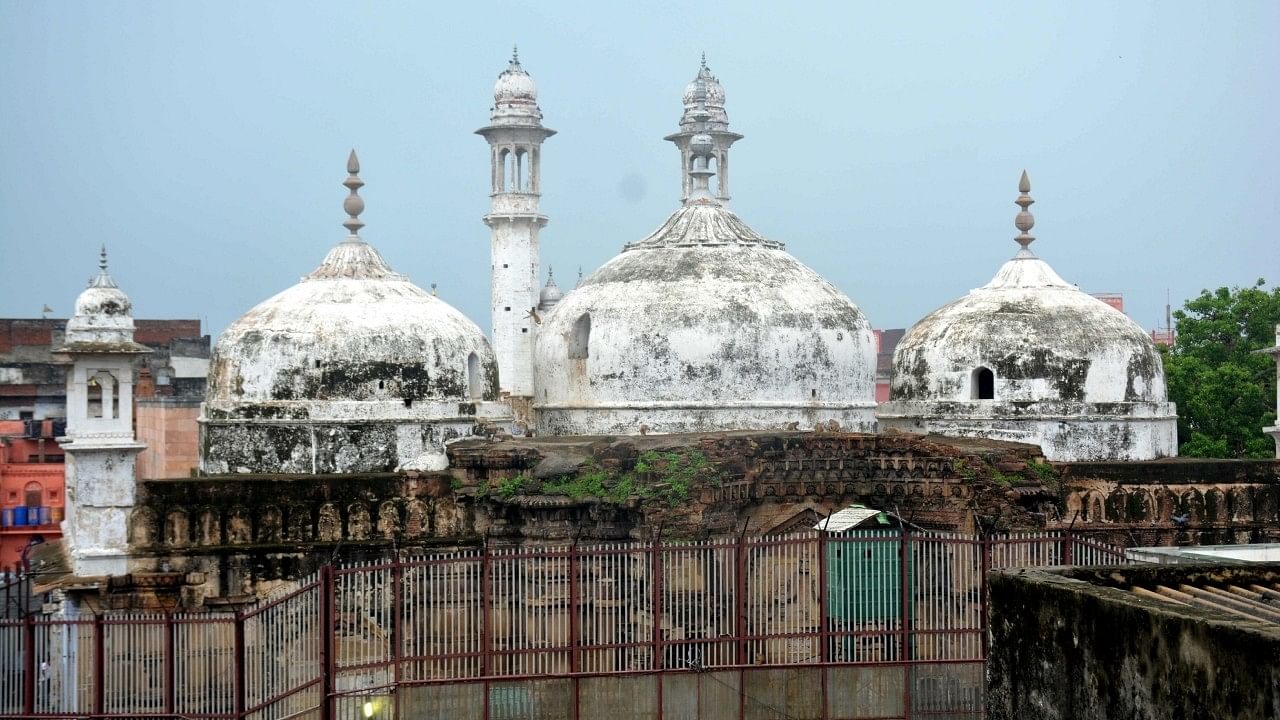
{"points": [[1077, 644], [167, 425]]}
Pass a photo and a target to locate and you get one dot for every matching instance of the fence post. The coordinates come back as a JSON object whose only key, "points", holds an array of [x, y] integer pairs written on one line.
{"points": [[575, 662], [824, 650], [239, 689], [740, 599], [29, 665], [99, 665], [170, 666], [486, 622], [397, 629], [328, 628], [656, 561], [904, 600], [982, 595], [1068, 548]]}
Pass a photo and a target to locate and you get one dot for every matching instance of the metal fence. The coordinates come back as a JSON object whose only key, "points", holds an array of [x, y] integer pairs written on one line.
{"points": [[501, 632]]}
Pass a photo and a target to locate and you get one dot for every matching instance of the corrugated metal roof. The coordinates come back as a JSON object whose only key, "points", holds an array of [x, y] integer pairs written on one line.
{"points": [[851, 517], [1255, 602]]}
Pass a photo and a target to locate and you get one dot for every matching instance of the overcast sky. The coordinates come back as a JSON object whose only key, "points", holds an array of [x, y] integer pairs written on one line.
{"points": [[205, 143]]}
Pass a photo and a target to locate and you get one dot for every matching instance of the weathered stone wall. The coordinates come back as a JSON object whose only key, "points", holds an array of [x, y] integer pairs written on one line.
{"points": [[1075, 644], [1173, 502], [591, 488]]}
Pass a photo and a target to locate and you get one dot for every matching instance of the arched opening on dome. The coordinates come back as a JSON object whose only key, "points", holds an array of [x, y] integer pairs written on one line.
{"points": [[580, 339], [983, 383], [103, 400], [474, 386]]}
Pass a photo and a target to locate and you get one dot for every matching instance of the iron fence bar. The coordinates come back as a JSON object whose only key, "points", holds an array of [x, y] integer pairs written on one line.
{"points": [[99, 665], [328, 630], [170, 666], [904, 597], [29, 665], [985, 568], [486, 622], [575, 630], [239, 660], [824, 649], [397, 628], [740, 601]]}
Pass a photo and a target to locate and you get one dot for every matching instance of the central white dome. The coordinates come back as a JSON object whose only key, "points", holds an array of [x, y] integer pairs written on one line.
{"points": [[703, 325]]}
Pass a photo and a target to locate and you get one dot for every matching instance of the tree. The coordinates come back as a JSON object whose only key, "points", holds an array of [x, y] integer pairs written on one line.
{"points": [[1225, 390]]}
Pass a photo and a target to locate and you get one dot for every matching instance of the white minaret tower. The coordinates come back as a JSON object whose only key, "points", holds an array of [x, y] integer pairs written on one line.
{"points": [[515, 136], [100, 444]]}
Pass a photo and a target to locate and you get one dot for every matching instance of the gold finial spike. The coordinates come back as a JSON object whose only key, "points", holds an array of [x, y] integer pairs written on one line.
{"points": [[1024, 220], [353, 205]]}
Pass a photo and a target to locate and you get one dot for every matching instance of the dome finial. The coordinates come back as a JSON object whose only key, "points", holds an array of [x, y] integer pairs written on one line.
{"points": [[704, 59], [353, 204], [1024, 220], [102, 258], [515, 54]]}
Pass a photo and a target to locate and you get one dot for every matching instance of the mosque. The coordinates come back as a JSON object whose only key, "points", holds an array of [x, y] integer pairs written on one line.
{"points": [[703, 325]]}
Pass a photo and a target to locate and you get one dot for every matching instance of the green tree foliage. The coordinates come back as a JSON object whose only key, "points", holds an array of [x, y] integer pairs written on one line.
{"points": [[1224, 388]]}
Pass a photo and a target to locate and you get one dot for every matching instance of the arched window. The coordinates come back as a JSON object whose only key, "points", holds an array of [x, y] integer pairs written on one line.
{"points": [[33, 495], [504, 170], [474, 386], [521, 181], [104, 400], [984, 384], [580, 341]]}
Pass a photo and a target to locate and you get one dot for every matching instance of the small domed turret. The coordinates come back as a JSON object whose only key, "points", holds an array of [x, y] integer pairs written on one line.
{"points": [[515, 95], [550, 294], [103, 313]]}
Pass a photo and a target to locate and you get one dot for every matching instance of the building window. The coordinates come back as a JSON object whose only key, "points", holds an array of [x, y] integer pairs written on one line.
{"points": [[33, 495], [104, 400], [580, 339], [984, 384]]}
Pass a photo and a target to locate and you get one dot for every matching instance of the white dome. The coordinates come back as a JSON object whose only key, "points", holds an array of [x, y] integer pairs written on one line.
{"points": [[515, 84], [703, 325], [1030, 358], [1042, 339], [103, 317], [704, 88], [353, 330]]}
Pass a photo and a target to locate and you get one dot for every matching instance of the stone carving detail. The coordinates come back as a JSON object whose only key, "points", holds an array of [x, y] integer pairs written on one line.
{"points": [[329, 526], [388, 520], [239, 528], [416, 522], [208, 528], [142, 527], [269, 525], [359, 526], [299, 529], [177, 531]]}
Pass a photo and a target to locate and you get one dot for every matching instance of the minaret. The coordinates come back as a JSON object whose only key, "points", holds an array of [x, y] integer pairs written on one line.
{"points": [[100, 444], [515, 136], [705, 118], [1274, 430]]}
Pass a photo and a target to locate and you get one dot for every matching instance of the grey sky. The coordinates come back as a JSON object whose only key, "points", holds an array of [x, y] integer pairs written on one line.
{"points": [[205, 143]]}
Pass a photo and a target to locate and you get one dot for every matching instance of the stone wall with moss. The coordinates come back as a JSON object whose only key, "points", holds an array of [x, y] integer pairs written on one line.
{"points": [[1077, 644]]}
